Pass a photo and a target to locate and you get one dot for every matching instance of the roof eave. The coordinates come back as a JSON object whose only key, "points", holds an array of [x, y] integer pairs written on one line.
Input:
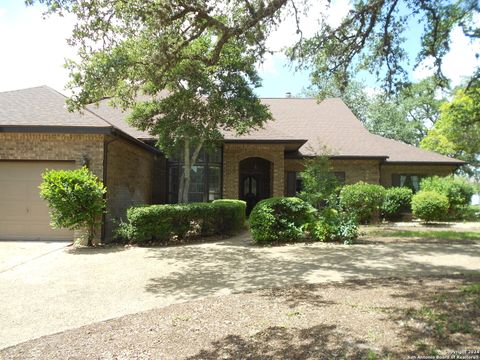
{"points": [[266, 141], [436, 162], [56, 129]]}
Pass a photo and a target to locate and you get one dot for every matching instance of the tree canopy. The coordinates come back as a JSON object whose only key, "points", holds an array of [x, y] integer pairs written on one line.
{"points": [[371, 37], [175, 81], [457, 132], [193, 61]]}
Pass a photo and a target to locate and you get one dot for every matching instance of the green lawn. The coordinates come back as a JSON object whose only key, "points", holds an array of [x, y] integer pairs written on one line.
{"points": [[427, 234]]}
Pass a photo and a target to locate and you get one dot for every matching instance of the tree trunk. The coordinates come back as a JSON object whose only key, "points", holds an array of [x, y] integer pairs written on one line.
{"points": [[90, 234], [185, 178]]}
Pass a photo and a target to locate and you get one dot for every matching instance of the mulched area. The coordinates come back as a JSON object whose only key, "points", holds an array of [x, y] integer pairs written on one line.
{"points": [[374, 319]]}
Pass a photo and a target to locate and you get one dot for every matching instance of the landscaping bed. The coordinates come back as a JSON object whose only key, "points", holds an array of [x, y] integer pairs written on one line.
{"points": [[374, 319]]}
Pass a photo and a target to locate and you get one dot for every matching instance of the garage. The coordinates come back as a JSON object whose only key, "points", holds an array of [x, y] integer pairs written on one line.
{"points": [[23, 214]]}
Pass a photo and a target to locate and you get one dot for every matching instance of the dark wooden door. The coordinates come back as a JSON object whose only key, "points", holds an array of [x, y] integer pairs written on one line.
{"points": [[250, 190]]}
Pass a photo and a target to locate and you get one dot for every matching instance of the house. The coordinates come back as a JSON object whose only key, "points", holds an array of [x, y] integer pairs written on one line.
{"points": [[37, 133]]}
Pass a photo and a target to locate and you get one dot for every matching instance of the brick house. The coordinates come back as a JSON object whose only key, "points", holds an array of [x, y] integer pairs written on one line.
{"points": [[37, 132]]}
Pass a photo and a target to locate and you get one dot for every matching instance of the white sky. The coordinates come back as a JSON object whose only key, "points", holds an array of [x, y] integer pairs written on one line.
{"points": [[33, 49]]}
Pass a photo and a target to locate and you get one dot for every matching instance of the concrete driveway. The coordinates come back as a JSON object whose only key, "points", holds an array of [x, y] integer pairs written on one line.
{"points": [[47, 288]]}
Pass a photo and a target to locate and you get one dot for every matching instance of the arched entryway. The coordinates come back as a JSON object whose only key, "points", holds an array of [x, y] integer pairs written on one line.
{"points": [[255, 181]]}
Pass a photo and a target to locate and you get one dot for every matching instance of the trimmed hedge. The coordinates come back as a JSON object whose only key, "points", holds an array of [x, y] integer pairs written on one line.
{"points": [[362, 199], [280, 219], [236, 216], [163, 223], [397, 200], [429, 206], [458, 191]]}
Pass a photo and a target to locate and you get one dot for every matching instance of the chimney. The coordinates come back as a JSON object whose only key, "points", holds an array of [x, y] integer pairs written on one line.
{"points": [[288, 94]]}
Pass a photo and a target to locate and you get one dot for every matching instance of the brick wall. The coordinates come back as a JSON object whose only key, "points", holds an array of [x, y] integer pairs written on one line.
{"points": [[355, 170], [234, 153], [130, 180], [427, 170], [358, 170], [373, 172], [129, 168], [37, 146]]}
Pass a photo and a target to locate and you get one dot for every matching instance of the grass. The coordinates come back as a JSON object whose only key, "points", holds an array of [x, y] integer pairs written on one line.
{"points": [[448, 313], [428, 234]]}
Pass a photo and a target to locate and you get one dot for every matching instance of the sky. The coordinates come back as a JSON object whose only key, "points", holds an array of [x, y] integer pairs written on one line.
{"points": [[33, 50]]}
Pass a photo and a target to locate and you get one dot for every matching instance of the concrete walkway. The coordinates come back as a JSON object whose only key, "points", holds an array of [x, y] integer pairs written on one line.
{"points": [[59, 289]]}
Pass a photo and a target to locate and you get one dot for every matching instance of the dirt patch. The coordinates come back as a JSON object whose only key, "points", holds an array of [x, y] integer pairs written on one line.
{"points": [[356, 319]]}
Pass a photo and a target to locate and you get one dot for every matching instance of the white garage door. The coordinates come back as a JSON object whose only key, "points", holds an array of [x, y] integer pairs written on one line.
{"points": [[23, 214]]}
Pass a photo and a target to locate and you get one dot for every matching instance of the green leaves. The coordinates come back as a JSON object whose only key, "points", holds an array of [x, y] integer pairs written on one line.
{"points": [[457, 131], [362, 199], [280, 219], [397, 200], [75, 199], [372, 38], [318, 181], [429, 205]]}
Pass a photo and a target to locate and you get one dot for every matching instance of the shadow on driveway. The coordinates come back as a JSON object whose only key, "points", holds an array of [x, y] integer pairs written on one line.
{"points": [[235, 264]]}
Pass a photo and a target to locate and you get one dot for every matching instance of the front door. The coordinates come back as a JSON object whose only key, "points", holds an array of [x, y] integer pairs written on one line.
{"points": [[254, 184], [250, 191]]}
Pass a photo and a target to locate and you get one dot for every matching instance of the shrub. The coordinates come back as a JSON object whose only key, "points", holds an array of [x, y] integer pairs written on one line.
{"points": [[472, 213], [233, 220], [75, 199], [362, 199], [429, 205], [280, 219], [319, 184], [334, 226], [396, 201], [458, 191], [163, 223]]}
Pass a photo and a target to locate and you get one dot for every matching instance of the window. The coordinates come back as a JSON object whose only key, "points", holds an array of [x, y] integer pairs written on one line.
{"points": [[214, 182], [298, 183], [411, 181], [205, 177], [294, 183]]}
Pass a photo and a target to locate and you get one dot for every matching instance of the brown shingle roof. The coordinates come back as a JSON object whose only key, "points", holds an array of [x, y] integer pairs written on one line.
{"points": [[326, 125], [42, 106], [329, 124]]}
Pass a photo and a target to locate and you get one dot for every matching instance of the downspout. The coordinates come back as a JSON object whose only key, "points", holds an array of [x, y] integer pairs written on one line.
{"points": [[105, 164]]}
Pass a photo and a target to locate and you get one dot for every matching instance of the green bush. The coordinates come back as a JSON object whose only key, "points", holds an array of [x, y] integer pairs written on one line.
{"points": [[334, 226], [319, 183], [280, 219], [235, 218], [429, 206], [458, 191], [163, 223], [362, 199], [472, 213], [75, 199], [396, 201]]}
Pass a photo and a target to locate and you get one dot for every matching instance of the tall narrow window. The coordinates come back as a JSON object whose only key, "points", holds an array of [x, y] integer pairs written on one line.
{"points": [[205, 177]]}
